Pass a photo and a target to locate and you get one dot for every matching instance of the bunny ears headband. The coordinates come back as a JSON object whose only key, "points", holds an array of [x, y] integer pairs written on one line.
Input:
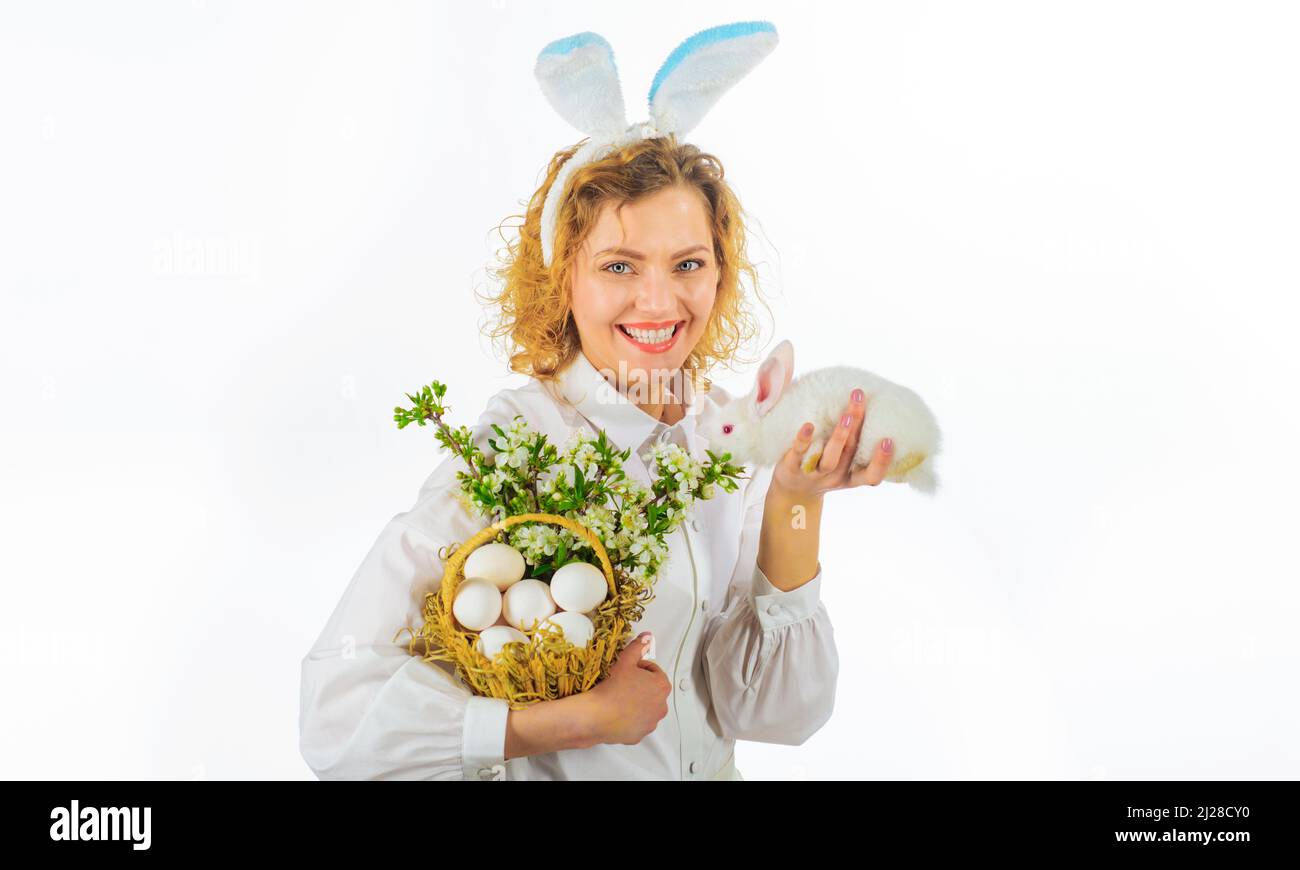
{"points": [[579, 78]]}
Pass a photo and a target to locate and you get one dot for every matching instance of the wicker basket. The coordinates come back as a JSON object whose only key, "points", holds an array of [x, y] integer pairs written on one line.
{"points": [[549, 667]]}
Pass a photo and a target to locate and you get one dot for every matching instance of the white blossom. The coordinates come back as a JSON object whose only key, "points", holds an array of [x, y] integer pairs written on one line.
{"points": [[517, 457]]}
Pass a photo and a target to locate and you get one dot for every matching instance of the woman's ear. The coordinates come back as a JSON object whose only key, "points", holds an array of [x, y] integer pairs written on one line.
{"points": [[773, 377]]}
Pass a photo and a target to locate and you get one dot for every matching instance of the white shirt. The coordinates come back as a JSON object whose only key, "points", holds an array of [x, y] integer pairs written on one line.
{"points": [[747, 661]]}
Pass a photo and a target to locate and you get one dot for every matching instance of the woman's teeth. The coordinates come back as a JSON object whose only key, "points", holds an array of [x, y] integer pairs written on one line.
{"points": [[650, 336]]}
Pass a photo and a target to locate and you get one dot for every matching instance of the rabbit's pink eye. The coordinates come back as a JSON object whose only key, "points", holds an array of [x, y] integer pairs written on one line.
{"points": [[726, 429]]}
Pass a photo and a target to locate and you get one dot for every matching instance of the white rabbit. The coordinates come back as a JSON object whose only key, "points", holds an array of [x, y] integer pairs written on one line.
{"points": [[760, 427]]}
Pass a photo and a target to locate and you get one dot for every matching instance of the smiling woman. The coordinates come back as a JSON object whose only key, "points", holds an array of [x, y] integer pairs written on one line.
{"points": [[623, 282], [646, 278]]}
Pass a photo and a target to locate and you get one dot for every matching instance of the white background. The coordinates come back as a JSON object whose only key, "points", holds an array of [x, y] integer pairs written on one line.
{"points": [[233, 234]]}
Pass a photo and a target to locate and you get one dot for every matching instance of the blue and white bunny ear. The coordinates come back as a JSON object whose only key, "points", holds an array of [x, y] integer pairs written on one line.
{"points": [[702, 69], [578, 76]]}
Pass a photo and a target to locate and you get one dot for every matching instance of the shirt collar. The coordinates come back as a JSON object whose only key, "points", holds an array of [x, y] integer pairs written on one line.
{"points": [[626, 425]]}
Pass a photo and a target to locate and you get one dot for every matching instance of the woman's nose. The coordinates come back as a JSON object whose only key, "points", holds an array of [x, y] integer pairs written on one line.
{"points": [[655, 293]]}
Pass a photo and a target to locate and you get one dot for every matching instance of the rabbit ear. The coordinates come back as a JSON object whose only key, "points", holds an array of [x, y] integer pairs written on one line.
{"points": [[579, 78], [703, 68], [773, 377]]}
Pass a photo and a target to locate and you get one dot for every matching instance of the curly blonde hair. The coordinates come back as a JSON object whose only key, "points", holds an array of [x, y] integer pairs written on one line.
{"points": [[533, 309]]}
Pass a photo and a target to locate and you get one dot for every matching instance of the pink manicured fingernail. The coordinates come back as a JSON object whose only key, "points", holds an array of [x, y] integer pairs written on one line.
{"points": [[888, 445], [858, 396], [806, 430], [846, 421]]}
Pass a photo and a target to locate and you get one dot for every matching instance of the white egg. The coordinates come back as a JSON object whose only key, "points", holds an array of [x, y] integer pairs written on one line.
{"points": [[527, 603], [499, 563], [490, 640], [579, 586], [477, 604], [577, 628]]}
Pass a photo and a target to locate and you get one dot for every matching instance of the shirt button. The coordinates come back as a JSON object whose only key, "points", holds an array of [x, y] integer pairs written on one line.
{"points": [[704, 605], [774, 610], [664, 436], [693, 766], [496, 771], [695, 524], [684, 684]]}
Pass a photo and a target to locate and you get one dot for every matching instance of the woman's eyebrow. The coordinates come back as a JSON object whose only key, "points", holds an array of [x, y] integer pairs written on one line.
{"points": [[635, 255]]}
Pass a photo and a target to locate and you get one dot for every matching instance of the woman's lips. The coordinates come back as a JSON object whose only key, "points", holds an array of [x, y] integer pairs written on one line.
{"points": [[653, 348]]}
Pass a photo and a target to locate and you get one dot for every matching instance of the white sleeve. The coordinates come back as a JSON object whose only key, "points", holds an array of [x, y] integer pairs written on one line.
{"points": [[769, 655], [369, 709]]}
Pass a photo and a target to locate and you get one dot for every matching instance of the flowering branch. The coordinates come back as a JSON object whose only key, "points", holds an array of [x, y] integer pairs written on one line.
{"points": [[584, 481]]}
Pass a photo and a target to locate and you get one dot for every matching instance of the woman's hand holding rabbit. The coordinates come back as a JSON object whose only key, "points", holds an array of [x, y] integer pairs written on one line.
{"points": [[800, 474]]}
